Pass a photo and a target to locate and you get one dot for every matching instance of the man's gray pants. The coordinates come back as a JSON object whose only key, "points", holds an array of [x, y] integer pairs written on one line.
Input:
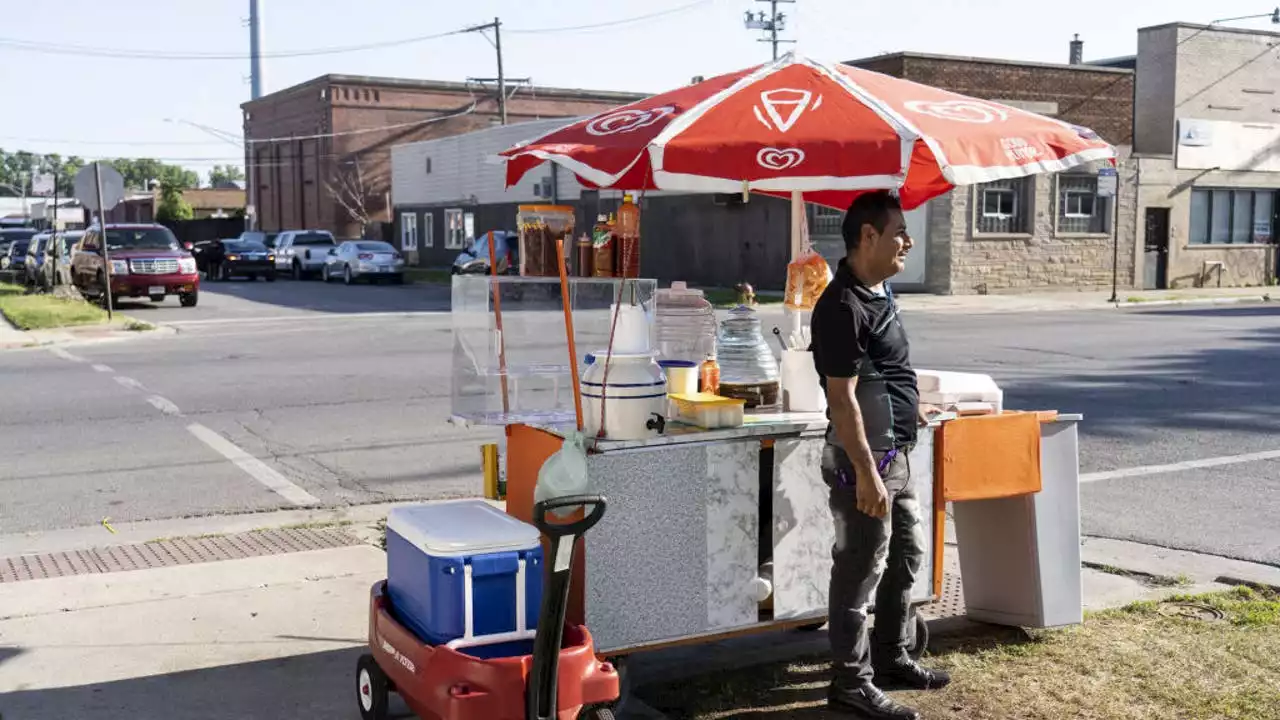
{"points": [[875, 563]]}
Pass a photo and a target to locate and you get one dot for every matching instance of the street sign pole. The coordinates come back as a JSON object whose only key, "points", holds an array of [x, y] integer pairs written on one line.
{"points": [[54, 237], [102, 235], [1108, 187]]}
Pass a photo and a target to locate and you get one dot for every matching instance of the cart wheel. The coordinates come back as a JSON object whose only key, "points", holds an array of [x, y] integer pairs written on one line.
{"points": [[372, 692], [919, 636], [600, 712]]}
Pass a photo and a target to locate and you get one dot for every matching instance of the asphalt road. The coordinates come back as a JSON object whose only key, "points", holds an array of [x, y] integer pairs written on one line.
{"points": [[342, 394]]}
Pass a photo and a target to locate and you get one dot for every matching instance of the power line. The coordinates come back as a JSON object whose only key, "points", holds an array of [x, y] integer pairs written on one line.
{"points": [[612, 23], [256, 141], [126, 54], [15, 138], [132, 54]]}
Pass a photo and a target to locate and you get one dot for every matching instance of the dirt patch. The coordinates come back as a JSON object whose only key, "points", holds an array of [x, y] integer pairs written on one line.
{"points": [[1154, 661]]}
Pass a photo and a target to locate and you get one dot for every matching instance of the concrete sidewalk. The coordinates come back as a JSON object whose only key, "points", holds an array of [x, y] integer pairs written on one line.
{"points": [[275, 637], [1086, 300]]}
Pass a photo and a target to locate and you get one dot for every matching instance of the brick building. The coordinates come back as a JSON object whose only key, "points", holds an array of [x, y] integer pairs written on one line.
{"points": [[1207, 151], [1044, 231], [318, 153]]}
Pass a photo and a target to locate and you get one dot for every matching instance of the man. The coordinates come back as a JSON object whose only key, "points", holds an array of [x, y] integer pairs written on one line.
{"points": [[861, 353]]}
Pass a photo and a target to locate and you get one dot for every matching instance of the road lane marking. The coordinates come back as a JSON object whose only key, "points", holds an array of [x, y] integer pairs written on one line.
{"points": [[164, 405], [303, 318], [128, 382], [256, 469], [1144, 470], [66, 355], [103, 368]]}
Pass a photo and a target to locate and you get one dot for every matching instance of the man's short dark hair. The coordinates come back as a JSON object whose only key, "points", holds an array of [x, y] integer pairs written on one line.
{"points": [[870, 208]]}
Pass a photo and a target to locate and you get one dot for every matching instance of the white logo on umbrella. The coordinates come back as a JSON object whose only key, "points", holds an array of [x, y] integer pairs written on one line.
{"points": [[784, 106], [772, 158], [628, 120], [970, 111]]}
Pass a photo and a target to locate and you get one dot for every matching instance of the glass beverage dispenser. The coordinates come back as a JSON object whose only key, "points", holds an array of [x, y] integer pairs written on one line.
{"points": [[748, 369]]}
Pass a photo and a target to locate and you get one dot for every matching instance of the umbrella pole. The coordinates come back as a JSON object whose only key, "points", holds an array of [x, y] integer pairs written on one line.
{"points": [[791, 317], [497, 316], [568, 331]]}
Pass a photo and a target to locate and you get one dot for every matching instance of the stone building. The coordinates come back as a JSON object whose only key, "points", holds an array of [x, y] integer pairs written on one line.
{"points": [[1207, 156], [1040, 232], [318, 153]]}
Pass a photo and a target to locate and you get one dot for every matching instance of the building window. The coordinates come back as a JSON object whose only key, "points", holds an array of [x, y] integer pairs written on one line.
{"points": [[1223, 216], [1004, 207], [455, 237], [826, 221], [1080, 209], [428, 166], [408, 231], [428, 230]]}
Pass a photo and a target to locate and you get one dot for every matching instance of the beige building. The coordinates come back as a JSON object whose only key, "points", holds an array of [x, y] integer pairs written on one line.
{"points": [[1207, 152]]}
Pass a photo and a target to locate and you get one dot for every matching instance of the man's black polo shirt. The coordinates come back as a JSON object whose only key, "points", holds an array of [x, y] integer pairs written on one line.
{"points": [[856, 331]]}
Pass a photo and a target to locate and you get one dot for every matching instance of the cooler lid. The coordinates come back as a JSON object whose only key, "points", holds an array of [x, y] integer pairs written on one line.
{"points": [[463, 527]]}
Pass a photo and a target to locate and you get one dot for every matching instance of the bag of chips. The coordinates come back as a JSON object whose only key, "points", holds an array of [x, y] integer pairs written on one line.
{"points": [[807, 276]]}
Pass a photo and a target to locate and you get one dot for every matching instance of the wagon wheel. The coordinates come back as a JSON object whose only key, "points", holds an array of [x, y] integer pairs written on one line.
{"points": [[372, 689]]}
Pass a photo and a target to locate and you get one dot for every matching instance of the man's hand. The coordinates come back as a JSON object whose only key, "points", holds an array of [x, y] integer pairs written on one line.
{"points": [[873, 499], [926, 412]]}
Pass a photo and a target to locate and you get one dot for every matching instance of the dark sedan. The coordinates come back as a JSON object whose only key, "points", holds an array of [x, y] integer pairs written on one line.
{"points": [[225, 259]]}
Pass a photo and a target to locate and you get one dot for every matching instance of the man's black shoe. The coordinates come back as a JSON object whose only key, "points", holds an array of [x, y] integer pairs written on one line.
{"points": [[909, 674], [869, 703]]}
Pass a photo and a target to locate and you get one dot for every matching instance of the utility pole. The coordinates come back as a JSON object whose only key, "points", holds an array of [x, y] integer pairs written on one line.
{"points": [[255, 92], [496, 27], [255, 50], [775, 23]]}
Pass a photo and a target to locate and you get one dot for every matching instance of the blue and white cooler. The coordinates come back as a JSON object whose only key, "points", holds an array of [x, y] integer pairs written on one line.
{"points": [[465, 574]]}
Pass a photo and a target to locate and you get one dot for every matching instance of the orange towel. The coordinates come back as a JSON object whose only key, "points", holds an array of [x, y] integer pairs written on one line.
{"points": [[990, 456]]}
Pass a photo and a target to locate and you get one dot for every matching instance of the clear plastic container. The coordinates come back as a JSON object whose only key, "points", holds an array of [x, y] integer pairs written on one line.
{"points": [[538, 379], [748, 369], [540, 227], [684, 324]]}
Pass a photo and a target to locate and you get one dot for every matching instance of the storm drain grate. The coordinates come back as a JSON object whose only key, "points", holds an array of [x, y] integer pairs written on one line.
{"points": [[169, 553], [950, 603]]}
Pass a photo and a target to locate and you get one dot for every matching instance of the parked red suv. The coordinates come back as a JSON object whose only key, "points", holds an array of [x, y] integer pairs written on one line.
{"points": [[146, 261]]}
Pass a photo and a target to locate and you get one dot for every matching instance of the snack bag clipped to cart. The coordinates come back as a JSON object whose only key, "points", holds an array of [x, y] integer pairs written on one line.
{"points": [[564, 473], [807, 276]]}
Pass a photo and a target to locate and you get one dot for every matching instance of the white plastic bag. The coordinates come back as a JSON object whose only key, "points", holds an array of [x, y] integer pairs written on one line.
{"points": [[564, 473]]}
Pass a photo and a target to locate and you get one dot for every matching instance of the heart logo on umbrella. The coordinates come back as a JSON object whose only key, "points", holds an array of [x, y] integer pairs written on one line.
{"points": [[628, 120], [772, 158], [970, 111]]}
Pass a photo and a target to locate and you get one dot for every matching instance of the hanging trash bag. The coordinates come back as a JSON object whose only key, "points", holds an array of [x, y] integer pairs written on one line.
{"points": [[564, 473]]}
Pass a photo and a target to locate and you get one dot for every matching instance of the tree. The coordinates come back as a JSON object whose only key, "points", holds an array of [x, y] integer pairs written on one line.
{"points": [[141, 173], [172, 206], [224, 174], [348, 189]]}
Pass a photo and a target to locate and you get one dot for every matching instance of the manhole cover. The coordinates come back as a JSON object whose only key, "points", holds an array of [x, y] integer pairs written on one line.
{"points": [[1191, 611]]}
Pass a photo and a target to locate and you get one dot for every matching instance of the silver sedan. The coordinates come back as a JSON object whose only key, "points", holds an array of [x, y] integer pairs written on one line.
{"points": [[363, 259]]}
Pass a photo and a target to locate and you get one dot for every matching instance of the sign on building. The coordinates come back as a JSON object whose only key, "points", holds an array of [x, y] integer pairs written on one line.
{"points": [[1108, 182]]}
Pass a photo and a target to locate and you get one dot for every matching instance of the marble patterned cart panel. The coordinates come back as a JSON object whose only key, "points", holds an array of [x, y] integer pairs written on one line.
{"points": [[803, 532], [676, 551], [733, 522]]}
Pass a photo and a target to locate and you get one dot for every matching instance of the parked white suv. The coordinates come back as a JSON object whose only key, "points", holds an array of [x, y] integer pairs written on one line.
{"points": [[303, 252]]}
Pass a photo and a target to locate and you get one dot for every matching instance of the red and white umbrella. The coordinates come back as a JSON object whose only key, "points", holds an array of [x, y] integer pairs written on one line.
{"points": [[797, 125]]}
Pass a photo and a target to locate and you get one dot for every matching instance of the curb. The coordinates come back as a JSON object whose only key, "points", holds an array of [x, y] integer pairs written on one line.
{"points": [[1242, 300]]}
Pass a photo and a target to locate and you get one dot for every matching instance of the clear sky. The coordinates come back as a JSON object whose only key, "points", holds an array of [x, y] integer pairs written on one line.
{"points": [[71, 102]]}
